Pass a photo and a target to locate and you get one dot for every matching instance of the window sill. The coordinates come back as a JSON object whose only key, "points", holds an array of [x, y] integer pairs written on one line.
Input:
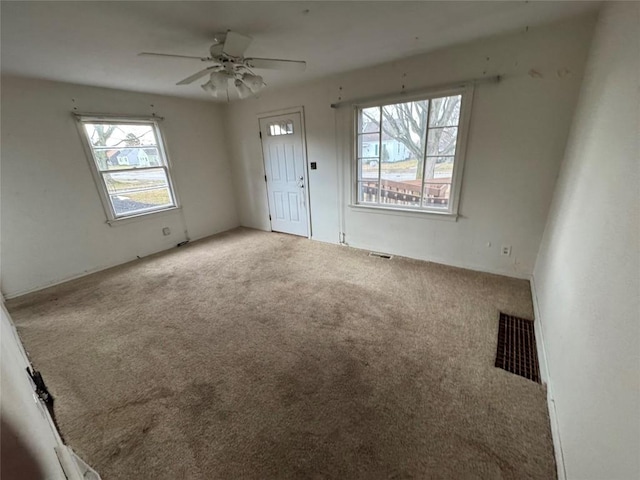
{"points": [[132, 218], [406, 212]]}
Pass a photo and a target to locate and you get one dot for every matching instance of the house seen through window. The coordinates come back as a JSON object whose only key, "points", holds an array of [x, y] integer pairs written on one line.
{"points": [[130, 167], [407, 154]]}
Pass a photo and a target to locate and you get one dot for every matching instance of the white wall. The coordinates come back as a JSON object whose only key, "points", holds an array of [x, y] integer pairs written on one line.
{"points": [[588, 270], [517, 137], [53, 223], [28, 440]]}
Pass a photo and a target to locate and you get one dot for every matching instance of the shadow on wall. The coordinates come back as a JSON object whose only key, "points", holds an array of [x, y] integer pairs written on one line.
{"points": [[17, 461]]}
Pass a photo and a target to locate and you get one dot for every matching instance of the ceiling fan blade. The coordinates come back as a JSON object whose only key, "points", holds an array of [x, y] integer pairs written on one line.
{"points": [[196, 76], [276, 64], [236, 44], [216, 49], [218, 45], [151, 54]]}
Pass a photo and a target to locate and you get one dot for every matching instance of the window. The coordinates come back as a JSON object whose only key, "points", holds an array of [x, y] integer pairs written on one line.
{"points": [[280, 128], [408, 154], [130, 166]]}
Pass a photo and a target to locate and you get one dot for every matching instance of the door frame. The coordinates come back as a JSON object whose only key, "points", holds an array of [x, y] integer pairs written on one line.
{"points": [[276, 113]]}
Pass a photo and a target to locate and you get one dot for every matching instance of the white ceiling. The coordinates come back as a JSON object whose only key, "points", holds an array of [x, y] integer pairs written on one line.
{"points": [[96, 43]]}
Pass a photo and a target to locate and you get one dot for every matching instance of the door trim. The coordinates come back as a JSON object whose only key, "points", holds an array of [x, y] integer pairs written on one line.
{"points": [[277, 113]]}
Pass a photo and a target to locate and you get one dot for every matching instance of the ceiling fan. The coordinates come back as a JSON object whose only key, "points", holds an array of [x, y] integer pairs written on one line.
{"points": [[227, 60]]}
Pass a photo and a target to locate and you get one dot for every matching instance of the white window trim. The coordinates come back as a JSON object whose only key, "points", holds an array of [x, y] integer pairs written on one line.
{"points": [[112, 219], [461, 149]]}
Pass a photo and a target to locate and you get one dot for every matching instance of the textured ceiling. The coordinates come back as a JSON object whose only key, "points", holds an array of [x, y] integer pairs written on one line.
{"points": [[96, 43]]}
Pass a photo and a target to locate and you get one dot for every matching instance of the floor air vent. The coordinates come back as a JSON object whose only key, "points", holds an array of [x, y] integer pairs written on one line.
{"points": [[381, 255], [517, 347]]}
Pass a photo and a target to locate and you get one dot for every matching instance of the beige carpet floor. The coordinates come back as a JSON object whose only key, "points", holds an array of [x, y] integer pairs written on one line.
{"points": [[252, 355]]}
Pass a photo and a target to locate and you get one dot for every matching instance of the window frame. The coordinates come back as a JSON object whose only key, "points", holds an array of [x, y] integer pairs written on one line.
{"points": [[466, 92], [154, 123]]}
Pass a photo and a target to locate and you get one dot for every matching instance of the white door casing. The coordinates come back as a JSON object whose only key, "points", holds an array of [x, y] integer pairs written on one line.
{"points": [[286, 173]]}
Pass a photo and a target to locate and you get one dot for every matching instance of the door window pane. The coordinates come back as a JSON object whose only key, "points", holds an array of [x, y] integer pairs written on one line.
{"points": [[280, 128]]}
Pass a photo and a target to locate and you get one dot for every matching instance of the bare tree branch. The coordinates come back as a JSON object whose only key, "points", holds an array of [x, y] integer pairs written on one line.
{"points": [[407, 124]]}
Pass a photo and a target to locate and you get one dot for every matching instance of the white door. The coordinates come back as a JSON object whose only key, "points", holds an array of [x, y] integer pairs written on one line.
{"points": [[286, 173]]}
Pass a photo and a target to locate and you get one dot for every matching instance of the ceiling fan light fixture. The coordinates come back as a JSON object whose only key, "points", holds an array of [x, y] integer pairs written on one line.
{"points": [[243, 90], [211, 89], [220, 80], [254, 82]]}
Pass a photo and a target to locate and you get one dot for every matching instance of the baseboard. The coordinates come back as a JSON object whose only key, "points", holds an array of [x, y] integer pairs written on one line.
{"points": [[74, 467], [449, 263], [9, 296], [542, 354], [20, 293], [546, 379], [322, 240]]}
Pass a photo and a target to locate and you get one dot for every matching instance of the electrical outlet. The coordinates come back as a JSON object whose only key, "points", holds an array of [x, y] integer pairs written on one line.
{"points": [[506, 250], [166, 231]]}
